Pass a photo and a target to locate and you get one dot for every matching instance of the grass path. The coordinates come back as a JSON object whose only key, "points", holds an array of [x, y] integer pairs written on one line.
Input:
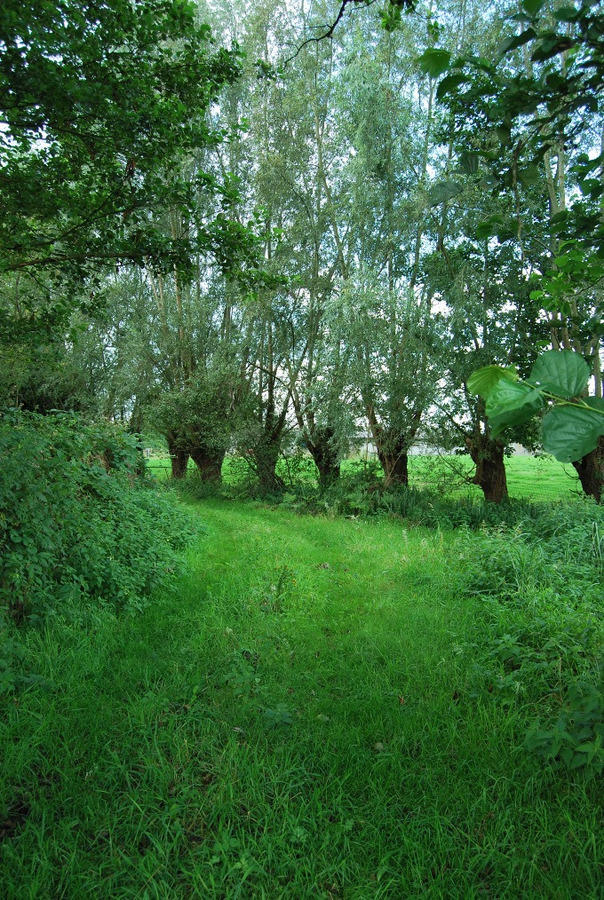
{"points": [[293, 721]]}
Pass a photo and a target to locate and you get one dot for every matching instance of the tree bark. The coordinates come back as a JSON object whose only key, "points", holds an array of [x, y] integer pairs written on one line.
{"points": [[266, 455], [392, 445], [178, 459], [209, 463], [487, 456], [590, 470], [395, 466], [325, 456]]}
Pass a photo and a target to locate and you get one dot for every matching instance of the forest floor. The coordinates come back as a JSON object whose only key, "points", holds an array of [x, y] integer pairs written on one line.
{"points": [[297, 718]]}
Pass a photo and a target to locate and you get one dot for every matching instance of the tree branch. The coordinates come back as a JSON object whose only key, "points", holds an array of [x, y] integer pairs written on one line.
{"points": [[329, 29]]}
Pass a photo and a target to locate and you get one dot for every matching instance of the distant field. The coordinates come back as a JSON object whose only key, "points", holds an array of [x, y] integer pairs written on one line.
{"points": [[541, 479], [529, 477]]}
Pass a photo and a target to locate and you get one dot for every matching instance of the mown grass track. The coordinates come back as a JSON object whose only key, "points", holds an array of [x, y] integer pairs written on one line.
{"points": [[293, 720]]}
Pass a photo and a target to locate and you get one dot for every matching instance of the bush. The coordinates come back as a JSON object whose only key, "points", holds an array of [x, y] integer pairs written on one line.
{"points": [[77, 519], [360, 491], [539, 646]]}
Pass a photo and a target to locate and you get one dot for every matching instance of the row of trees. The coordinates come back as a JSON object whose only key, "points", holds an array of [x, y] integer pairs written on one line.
{"points": [[345, 232]]}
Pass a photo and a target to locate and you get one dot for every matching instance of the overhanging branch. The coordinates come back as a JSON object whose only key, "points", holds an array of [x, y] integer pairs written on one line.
{"points": [[329, 29]]}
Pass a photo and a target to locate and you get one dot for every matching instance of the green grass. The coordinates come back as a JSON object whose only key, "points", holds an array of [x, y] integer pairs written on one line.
{"points": [[529, 477], [533, 478], [541, 478], [292, 721]]}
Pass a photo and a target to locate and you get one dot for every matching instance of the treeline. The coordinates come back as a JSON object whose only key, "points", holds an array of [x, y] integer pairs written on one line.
{"points": [[335, 235]]}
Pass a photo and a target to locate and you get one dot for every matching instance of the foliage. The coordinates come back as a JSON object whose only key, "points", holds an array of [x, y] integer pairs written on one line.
{"points": [[540, 641], [573, 424], [78, 523], [437, 498], [101, 108], [538, 104]]}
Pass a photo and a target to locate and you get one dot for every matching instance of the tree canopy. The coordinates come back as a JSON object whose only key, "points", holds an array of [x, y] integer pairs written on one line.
{"points": [[102, 109], [421, 182]]}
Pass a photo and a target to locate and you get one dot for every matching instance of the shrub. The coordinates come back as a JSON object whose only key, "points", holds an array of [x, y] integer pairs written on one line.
{"points": [[540, 641], [77, 519]]}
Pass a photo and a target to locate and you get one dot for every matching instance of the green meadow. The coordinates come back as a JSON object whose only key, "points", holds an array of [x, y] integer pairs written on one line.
{"points": [[318, 707], [529, 477]]}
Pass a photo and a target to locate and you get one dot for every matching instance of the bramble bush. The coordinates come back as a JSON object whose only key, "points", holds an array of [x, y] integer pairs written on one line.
{"points": [[78, 522]]}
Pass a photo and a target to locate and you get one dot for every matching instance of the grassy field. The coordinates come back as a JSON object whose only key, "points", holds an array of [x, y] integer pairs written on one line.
{"points": [[529, 477], [296, 719]]}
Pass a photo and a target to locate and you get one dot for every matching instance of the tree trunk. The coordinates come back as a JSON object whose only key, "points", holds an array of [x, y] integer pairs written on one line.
{"points": [[487, 455], [329, 470], [266, 455], [178, 459], [591, 472], [209, 463], [395, 466], [326, 457]]}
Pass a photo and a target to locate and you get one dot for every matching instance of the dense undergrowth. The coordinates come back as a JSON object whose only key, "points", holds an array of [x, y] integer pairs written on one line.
{"points": [[79, 525], [360, 491], [539, 644]]}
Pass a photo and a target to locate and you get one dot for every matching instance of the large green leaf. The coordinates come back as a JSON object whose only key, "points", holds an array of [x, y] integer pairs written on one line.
{"points": [[517, 40], [571, 432], [560, 372], [444, 191], [482, 381], [468, 163], [450, 83], [434, 62], [533, 7], [567, 14], [595, 402], [510, 403]]}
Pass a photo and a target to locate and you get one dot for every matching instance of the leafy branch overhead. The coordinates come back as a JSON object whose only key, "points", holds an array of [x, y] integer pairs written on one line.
{"points": [[104, 111], [557, 382]]}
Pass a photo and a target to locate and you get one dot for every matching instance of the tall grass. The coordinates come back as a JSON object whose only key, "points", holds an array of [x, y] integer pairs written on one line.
{"points": [[312, 712]]}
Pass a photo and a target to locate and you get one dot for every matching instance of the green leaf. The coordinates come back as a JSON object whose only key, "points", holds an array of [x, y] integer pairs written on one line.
{"points": [[530, 175], [560, 372], [468, 163], [450, 83], [570, 432], [444, 191], [484, 380], [510, 403], [504, 133], [518, 40], [485, 230], [490, 227], [434, 62], [550, 47], [532, 7], [595, 402]]}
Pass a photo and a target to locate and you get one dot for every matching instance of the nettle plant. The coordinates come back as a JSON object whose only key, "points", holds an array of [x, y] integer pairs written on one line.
{"points": [[558, 382]]}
